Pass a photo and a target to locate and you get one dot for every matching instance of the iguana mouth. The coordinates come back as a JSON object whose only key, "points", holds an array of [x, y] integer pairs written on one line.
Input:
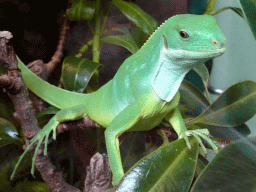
{"points": [[196, 54], [209, 53]]}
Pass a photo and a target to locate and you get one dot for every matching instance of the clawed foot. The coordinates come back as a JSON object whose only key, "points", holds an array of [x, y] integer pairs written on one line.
{"points": [[197, 133], [41, 135]]}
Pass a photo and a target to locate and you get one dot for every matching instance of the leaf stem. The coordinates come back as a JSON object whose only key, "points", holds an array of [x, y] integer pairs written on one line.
{"points": [[105, 16], [210, 7], [96, 45]]}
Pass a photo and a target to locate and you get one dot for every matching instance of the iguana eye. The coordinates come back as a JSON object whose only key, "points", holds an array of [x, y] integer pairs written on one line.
{"points": [[183, 34]]}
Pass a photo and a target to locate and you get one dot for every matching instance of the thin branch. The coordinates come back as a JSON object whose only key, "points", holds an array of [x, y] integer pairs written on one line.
{"points": [[56, 58]]}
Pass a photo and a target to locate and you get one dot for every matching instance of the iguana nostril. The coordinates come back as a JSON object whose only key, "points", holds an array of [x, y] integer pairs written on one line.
{"points": [[215, 42]]}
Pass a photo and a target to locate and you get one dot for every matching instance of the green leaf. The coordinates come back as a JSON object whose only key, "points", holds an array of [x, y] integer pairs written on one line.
{"points": [[234, 107], [202, 71], [235, 9], [45, 115], [76, 73], [141, 19], [8, 166], [81, 10], [48, 111], [7, 109], [227, 133], [249, 9], [232, 169], [132, 149], [238, 11], [139, 36], [169, 168], [5, 177], [123, 40], [200, 166], [192, 99], [8, 133], [2, 69], [31, 186]]}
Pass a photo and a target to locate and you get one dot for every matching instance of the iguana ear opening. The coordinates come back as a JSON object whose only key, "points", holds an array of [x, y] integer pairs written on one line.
{"points": [[165, 42]]}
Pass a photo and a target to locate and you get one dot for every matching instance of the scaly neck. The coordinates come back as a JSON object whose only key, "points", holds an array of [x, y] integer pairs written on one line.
{"points": [[167, 72], [167, 79]]}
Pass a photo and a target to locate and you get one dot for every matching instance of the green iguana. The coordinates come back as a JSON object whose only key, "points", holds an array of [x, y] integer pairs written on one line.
{"points": [[143, 91]]}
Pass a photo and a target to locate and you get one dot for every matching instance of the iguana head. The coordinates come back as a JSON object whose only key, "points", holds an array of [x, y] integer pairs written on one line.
{"points": [[185, 41], [193, 37]]}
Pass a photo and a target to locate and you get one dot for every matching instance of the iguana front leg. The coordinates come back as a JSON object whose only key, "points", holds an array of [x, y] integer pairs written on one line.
{"points": [[121, 123], [175, 119], [73, 113]]}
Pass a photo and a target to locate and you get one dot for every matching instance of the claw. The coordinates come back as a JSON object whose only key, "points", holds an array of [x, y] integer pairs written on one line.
{"points": [[54, 133], [185, 137], [41, 136], [203, 133], [34, 156], [200, 142], [46, 144], [205, 137]]}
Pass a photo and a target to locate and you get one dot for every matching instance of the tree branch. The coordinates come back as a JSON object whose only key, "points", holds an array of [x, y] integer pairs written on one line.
{"points": [[25, 114]]}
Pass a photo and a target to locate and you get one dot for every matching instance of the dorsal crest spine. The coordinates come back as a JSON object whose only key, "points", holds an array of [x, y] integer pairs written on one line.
{"points": [[157, 30]]}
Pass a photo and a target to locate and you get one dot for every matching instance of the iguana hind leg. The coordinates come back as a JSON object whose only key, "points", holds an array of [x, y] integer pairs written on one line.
{"points": [[69, 114]]}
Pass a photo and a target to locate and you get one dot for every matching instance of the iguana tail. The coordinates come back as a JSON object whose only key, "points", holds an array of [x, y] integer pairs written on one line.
{"points": [[55, 96]]}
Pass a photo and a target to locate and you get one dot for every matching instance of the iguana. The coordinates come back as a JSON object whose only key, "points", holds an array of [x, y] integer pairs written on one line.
{"points": [[144, 90]]}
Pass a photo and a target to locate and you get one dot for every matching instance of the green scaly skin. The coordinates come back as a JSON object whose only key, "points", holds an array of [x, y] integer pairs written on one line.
{"points": [[143, 91]]}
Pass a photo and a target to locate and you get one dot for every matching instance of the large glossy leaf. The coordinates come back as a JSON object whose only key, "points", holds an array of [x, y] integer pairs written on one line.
{"points": [[232, 170], [199, 167], [234, 107], [8, 133], [141, 19], [125, 41], [192, 99], [81, 10], [169, 168], [249, 9], [227, 133], [132, 149], [76, 73], [202, 71]]}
